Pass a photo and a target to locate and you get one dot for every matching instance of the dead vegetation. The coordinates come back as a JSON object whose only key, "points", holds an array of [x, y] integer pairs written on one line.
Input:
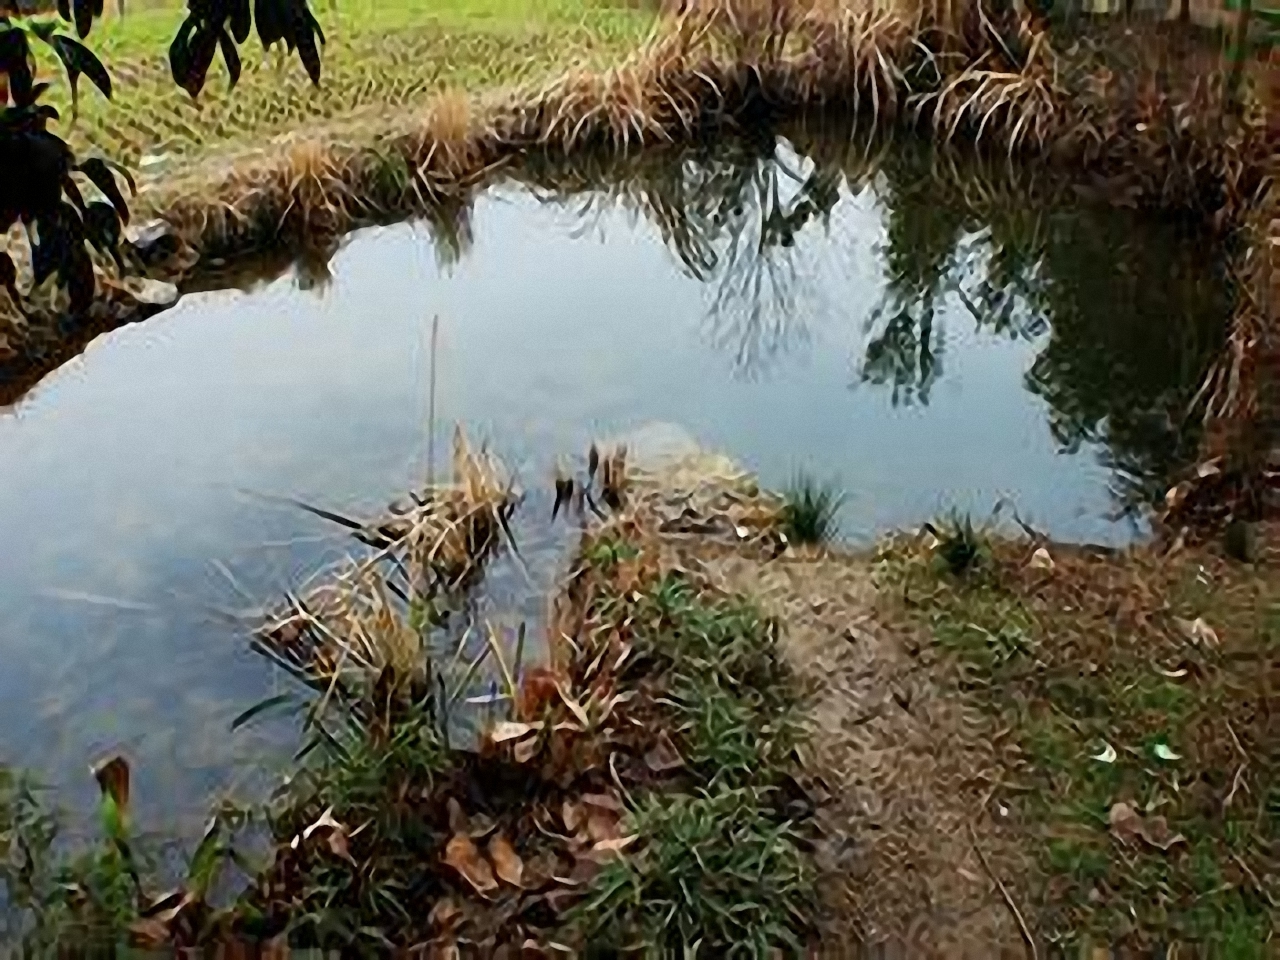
{"points": [[636, 794], [370, 619]]}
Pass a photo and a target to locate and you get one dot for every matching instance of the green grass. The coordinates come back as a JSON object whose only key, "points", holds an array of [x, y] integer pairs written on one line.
{"points": [[810, 510], [718, 877], [961, 546], [721, 870], [381, 56], [1070, 663]]}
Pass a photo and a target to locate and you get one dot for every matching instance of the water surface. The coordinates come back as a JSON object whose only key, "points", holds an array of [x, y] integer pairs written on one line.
{"points": [[932, 334]]}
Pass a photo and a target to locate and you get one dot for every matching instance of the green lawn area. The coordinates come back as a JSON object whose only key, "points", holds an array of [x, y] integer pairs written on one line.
{"points": [[1134, 697], [381, 55]]}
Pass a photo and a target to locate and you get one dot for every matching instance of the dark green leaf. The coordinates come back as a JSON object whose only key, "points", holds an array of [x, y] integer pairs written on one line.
{"points": [[64, 10], [231, 57], [240, 20], [15, 60], [73, 193], [43, 28], [46, 252], [180, 51], [102, 229], [123, 172], [96, 169], [77, 273], [306, 30], [272, 20], [261, 707], [83, 16], [203, 46], [78, 59]]}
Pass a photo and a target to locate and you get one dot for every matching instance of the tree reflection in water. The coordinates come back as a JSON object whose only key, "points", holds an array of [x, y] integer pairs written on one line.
{"points": [[1126, 310]]}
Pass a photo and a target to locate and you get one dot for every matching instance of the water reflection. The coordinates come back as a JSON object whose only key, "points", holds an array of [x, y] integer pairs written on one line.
{"points": [[932, 331], [1126, 310]]}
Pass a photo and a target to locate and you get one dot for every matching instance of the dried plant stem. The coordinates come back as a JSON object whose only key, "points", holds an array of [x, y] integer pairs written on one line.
{"points": [[1004, 892]]}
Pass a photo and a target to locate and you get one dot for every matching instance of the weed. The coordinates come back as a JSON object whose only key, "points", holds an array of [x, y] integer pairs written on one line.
{"points": [[961, 547], [726, 640], [810, 509], [366, 783], [56, 899], [718, 875], [732, 737], [606, 552]]}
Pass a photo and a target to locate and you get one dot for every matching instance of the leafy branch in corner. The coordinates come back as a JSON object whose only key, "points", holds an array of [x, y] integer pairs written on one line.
{"points": [[42, 185]]}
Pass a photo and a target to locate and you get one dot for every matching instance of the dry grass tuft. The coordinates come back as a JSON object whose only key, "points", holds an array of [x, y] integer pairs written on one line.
{"points": [[374, 614]]}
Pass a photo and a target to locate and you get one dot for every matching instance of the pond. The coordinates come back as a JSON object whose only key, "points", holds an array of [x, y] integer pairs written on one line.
{"points": [[928, 332]]}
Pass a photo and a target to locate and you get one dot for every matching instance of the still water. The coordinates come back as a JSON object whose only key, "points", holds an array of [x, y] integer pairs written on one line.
{"points": [[931, 334]]}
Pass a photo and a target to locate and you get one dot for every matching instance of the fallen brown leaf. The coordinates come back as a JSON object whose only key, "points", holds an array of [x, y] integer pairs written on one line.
{"points": [[602, 825], [457, 818], [445, 950], [571, 814], [444, 913], [616, 845], [506, 861], [112, 775], [604, 801], [1155, 831], [480, 826], [539, 870], [584, 870], [150, 933], [461, 854], [525, 750], [664, 755], [509, 730], [1126, 825]]}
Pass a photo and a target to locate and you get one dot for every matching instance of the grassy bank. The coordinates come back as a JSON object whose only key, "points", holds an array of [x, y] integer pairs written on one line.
{"points": [[961, 744], [1131, 698], [382, 56], [636, 793]]}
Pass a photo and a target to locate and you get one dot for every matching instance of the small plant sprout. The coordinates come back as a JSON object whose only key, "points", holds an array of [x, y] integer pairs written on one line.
{"points": [[960, 546], [809, 510]]}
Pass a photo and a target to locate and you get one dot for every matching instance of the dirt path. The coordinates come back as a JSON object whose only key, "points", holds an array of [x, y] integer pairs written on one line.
{"points": [[908, 763]]}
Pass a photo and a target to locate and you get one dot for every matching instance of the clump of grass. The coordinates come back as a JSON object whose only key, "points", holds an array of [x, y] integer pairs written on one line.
{"points": [[371, 784], [733, 737], [605, 552], [371, 619], [718, 875], [729, 692], [62, 900], [725, 639], [809, 510], [961, 547]]}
